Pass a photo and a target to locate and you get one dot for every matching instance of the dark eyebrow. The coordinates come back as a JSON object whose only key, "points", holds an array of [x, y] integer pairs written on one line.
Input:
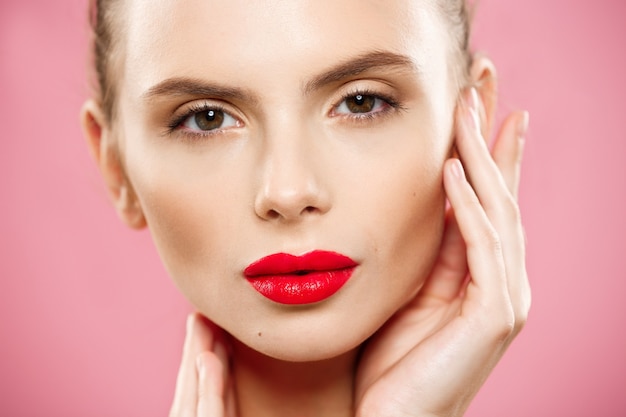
{"points": [[184, 86], [360, 64]]}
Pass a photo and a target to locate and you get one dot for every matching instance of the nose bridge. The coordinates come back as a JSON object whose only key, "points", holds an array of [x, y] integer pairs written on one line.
{"points": [[289, 187]]}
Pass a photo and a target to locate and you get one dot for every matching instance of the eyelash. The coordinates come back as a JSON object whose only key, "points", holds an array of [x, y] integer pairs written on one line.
{"points": [[176, 125], [178, 121], [390, 103]]}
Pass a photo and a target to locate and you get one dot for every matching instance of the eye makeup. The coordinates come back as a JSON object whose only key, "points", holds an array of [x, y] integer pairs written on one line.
{"points": [[358, 105], [361, 105], [202, 118]]}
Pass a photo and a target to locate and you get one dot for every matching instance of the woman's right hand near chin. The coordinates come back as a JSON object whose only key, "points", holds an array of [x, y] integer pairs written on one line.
{"points": [[203, 386]]}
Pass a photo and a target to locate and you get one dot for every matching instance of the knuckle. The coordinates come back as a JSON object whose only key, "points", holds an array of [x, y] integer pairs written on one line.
{"points": [[501, 325], [506, 327], [491, 240], [486, 237], [505, 333], [521, 315], [497, 324], [511, 208], [520, 322], [507, 210]]}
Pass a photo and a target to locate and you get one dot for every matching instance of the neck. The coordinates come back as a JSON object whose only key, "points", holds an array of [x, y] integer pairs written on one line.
{"points": [[270, 387]]}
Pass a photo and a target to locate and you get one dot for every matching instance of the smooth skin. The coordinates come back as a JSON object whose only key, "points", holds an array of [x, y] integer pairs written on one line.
{"points": [[432, 357], [290, 175], [291, 169]]}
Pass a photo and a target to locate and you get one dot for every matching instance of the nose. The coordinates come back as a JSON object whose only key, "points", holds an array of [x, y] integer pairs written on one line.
{"points": [[290, 189]]}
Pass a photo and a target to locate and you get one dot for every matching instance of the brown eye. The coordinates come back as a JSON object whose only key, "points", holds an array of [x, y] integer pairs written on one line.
{"points": [[360, 103], [206, 120], [209, 120]]}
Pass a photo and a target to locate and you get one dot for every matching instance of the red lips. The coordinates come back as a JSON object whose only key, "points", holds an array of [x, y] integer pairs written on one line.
{"points": [[306, 279]]}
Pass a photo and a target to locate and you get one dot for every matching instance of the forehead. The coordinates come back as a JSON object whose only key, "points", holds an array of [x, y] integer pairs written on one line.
{"points": [[244, 41]]}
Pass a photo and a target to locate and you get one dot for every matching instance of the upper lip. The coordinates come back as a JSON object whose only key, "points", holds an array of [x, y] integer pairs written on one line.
{"points": [[284, 263]]}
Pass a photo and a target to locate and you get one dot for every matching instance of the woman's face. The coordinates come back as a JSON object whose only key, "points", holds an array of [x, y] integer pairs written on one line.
{"points": [[249, 129]]}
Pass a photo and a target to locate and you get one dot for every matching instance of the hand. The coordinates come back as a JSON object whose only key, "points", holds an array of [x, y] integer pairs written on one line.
{"points": [[203, 385], [432, 357]]}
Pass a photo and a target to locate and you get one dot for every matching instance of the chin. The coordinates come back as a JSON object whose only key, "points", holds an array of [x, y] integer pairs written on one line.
{"points": [[305, 352], [309, 336]]}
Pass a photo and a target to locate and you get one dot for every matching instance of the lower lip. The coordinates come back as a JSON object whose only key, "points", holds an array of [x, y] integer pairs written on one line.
{"points": [[309, 288]]}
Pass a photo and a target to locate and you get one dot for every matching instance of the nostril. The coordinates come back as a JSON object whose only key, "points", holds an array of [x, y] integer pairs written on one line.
{"points": [[309, 209], [273, 214]]}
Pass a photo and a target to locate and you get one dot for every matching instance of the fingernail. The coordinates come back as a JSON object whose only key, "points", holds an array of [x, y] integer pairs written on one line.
{"points": [[472, 117], [522, 125], [457, 169]]}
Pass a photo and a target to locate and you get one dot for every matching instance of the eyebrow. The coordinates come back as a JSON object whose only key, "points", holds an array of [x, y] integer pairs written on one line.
{"points": [[361, 63], [185, 86]]}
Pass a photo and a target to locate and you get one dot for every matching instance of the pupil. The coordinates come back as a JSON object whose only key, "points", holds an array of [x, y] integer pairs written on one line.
{"points": [[359, 100]]}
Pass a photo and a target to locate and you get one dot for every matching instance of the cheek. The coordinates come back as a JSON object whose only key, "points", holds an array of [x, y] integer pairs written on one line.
{"points": [[402, 211], [416, 225], [409, 230], [191, 214], [179, 224]]}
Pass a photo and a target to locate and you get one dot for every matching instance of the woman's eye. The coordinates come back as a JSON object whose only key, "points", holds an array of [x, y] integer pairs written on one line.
{"points": [[361, 103], [208, 120]]}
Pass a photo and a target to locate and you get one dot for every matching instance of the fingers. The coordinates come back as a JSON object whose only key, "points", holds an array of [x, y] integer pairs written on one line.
{"points": [[210, 383], [507, 154], [499, 177], [201, 372], [483, 229], [486, 210], [508, 149], [484, 252], [495, 178], [451, 267]]}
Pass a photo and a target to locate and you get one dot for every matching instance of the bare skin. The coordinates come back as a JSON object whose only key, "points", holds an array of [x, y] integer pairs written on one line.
{"points": [[437, 296], [431, 358]]}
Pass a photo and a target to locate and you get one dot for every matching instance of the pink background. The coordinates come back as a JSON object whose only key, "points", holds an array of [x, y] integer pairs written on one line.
{"points": [[90, 324]]}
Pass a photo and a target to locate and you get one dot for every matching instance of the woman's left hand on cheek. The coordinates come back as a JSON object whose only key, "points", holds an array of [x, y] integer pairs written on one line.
{"points": [[434, 355]]}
